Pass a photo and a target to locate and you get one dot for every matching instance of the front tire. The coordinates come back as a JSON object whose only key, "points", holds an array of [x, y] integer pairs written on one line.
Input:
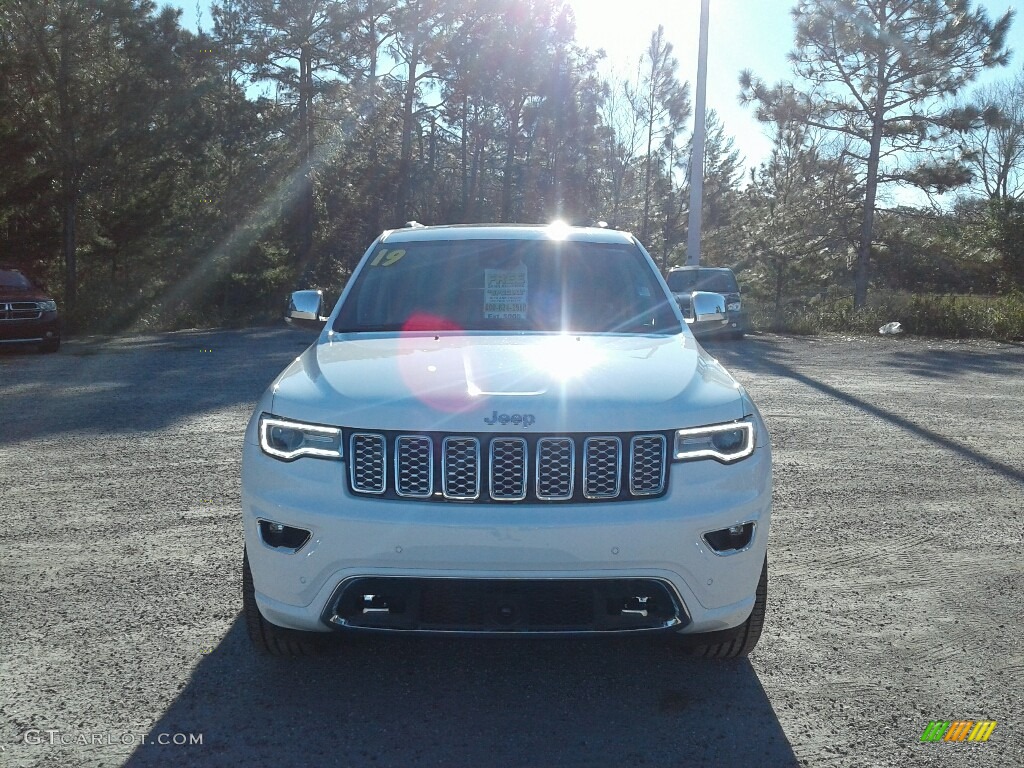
{"points": [[50, 346], [270, 639], [738, 642]]}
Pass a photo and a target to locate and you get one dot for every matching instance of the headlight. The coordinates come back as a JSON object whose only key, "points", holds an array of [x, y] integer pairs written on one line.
{"points": [[733, 307], [48, 306], [288, 440], [724, 442]]}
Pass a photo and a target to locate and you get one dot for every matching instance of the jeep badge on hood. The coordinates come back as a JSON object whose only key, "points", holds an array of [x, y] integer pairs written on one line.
{"points": [[525, 419]]}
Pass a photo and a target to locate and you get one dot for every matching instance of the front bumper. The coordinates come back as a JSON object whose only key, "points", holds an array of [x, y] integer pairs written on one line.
{"points": [[659, 539], [734, 323], [36, 331]]}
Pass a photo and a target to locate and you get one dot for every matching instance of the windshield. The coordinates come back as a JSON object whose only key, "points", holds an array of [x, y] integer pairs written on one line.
{"points": [[11, 278], [534, 285], [715, 280]]}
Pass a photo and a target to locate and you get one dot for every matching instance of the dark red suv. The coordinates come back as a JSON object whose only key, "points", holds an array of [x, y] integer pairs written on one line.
{"points": [[27, 314]]}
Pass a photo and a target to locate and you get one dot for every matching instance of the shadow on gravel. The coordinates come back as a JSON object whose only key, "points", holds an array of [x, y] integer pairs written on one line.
{"points": [[140, 383], [397, 701], [763, 356], [946, 363]]}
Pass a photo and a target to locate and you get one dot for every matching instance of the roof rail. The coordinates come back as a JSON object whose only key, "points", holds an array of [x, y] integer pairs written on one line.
{"points": [[413, 224]]}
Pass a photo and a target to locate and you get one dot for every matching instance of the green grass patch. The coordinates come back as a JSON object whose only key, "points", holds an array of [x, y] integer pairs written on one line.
{"points": [[943, 316]]}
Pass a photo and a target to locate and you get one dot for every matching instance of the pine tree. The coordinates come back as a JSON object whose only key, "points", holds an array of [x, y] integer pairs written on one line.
{"points": [[662, 104], [882, 74]]}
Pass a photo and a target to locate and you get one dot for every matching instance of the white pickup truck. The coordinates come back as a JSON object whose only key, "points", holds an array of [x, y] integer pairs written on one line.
{"points": [[505, 430]]}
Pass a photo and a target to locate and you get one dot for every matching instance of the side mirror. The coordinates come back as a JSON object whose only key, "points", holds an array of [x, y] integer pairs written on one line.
{"points": [[685, 303], [707, 306], [305, 310]]}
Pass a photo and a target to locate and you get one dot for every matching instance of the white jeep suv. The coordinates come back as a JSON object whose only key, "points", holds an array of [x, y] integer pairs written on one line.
{"points": [[505, 429]]}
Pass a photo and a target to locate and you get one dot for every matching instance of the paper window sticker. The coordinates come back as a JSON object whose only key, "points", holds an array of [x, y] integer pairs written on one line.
{"points": [[506, 293]]}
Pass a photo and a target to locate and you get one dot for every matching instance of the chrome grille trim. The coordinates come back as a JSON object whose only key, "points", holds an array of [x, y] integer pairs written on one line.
{"points": [[647, 465], [508, 469], [602, 467], [20, 310], [497, 468], [414, 466], [368, 467], [556, 468], [460, 468]]}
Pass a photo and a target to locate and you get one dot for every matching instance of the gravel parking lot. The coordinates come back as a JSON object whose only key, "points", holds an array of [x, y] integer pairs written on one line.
{"points": [[897, 575]]}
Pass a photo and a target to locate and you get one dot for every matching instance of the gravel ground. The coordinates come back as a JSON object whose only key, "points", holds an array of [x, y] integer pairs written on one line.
{"points": [[897, 568]]}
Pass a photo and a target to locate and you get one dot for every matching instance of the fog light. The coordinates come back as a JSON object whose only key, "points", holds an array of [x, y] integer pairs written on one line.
{"points": [[728, 541], [280, 536]]}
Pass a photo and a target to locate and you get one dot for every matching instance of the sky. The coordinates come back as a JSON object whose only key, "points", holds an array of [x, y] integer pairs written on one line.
{"points": [[743, 34]]}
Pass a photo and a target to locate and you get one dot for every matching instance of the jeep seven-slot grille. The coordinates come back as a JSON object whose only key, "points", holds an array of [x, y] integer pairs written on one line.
{"points": [[504, 468]]}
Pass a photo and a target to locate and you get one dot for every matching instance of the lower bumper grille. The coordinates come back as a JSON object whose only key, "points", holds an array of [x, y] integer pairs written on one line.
{"points": [[498, 606]]}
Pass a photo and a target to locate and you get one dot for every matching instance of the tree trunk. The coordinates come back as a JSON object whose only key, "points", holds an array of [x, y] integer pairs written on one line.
{"points": [[860, 290], [306, 223], [372, 24], [860, 294], [511, 146], [556, 206], [373, 219], [405, 161], [506, 179], [464, 148], [69, 174], [69, 243], [779, 281], [645, 229], [474, 178]]}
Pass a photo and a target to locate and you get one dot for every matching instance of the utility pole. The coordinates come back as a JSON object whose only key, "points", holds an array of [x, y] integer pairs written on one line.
{"points": [[699, 129]]}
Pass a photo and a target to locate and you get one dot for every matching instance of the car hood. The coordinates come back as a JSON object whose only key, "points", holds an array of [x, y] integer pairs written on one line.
{"points": [[18, 294], [528, 382]]}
